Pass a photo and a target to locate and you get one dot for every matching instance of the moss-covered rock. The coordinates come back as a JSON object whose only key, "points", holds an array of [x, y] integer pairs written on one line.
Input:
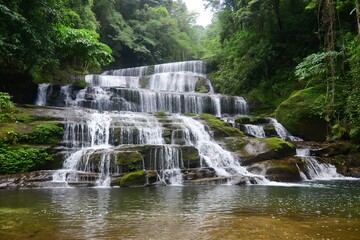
{"points": [[301, 114], [258, 150], [202, 86], [133, 179], [190, 156], [282, 170], [270, 130], [132, 160], [250, 120], [144, 81], [235, 144], [221, 128]]}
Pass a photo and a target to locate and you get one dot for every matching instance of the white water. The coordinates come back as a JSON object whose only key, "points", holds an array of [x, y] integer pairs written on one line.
{"points": [[171, 88], [112, 81], [255, 130], [90, 136], [282, 132], [222, 161], [41, 95], [316, 170], [167, 160], [173, 82]]}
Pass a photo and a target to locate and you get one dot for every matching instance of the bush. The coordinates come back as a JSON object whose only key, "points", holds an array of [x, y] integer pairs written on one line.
{"points": [[46, 133], [22, 160], [5, 102]]}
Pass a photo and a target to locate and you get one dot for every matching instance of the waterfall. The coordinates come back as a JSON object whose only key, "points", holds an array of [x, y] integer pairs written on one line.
{"points": [[214, 156], [167, 160], [112, 81], [41, 95], [91, 135], [117, 117], [316, 170], [255, 130], [282, 132]]}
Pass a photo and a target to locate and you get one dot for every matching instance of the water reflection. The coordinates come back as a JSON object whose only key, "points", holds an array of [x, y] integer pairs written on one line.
{"points": [[331, 211]]}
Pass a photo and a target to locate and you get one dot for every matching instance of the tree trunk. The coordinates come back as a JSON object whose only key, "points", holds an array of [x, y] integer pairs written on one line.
{"points": [[277, 14], [357, 7]]}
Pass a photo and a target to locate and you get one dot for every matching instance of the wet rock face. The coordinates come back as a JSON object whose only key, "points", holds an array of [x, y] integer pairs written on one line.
{"points": [[282, 170]]}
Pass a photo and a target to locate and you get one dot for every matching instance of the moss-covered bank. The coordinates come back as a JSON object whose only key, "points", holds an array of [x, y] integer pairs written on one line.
{"points": [[26, 139], [302, 114]]}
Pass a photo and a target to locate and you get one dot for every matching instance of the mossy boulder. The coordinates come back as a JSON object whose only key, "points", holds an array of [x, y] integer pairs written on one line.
{"points": [[144, 81], [270, 130], [130, 160], [302, 114], [282, 170], [133, 179], [220, 128], [258, 150], [235, 144], [202, 85], [250, 120], [190, 156]]}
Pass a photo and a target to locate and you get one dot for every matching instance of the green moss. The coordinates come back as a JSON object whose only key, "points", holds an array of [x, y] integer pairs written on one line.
{"points": [[190, 156], [221, 128], [270, 130], [144, 81], [250, 120], [202, 86], [161, 114], [80, 84], [133, 179], [131, 159], [278, 144], [235, 144], [303, 113], [190, 114]]}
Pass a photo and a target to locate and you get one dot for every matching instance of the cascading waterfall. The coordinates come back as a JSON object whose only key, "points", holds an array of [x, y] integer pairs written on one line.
{"points": [[214, 156], [316, 170], [175, 88], [282, 132], [124, 101], [255, 130]]}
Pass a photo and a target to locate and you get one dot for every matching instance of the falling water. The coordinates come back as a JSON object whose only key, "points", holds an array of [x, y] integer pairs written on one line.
{"points": [[222, 161], [282, 132], [316, 170], [41, 95], [124, 101], [255, 130]]}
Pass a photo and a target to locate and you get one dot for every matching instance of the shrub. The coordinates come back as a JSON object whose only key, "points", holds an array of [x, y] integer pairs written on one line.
{"points": [[46, 133], [22, 160]]}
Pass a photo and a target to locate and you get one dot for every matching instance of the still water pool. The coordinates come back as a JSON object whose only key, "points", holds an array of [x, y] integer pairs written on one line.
{"points": [[316, 210]]}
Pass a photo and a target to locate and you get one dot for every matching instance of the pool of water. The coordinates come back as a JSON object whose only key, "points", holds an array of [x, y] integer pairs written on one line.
{"points": [[315, 210]]}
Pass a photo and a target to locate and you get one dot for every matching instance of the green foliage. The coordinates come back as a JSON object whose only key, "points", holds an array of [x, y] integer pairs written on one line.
{"points": [[80, 83], [5, 102], [81, 49], [46, 133], [22, 160]]}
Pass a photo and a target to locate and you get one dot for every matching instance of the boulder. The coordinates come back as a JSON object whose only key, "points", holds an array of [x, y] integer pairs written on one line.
{"points": [[280, 170], [301, 114], [134, 179]]}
